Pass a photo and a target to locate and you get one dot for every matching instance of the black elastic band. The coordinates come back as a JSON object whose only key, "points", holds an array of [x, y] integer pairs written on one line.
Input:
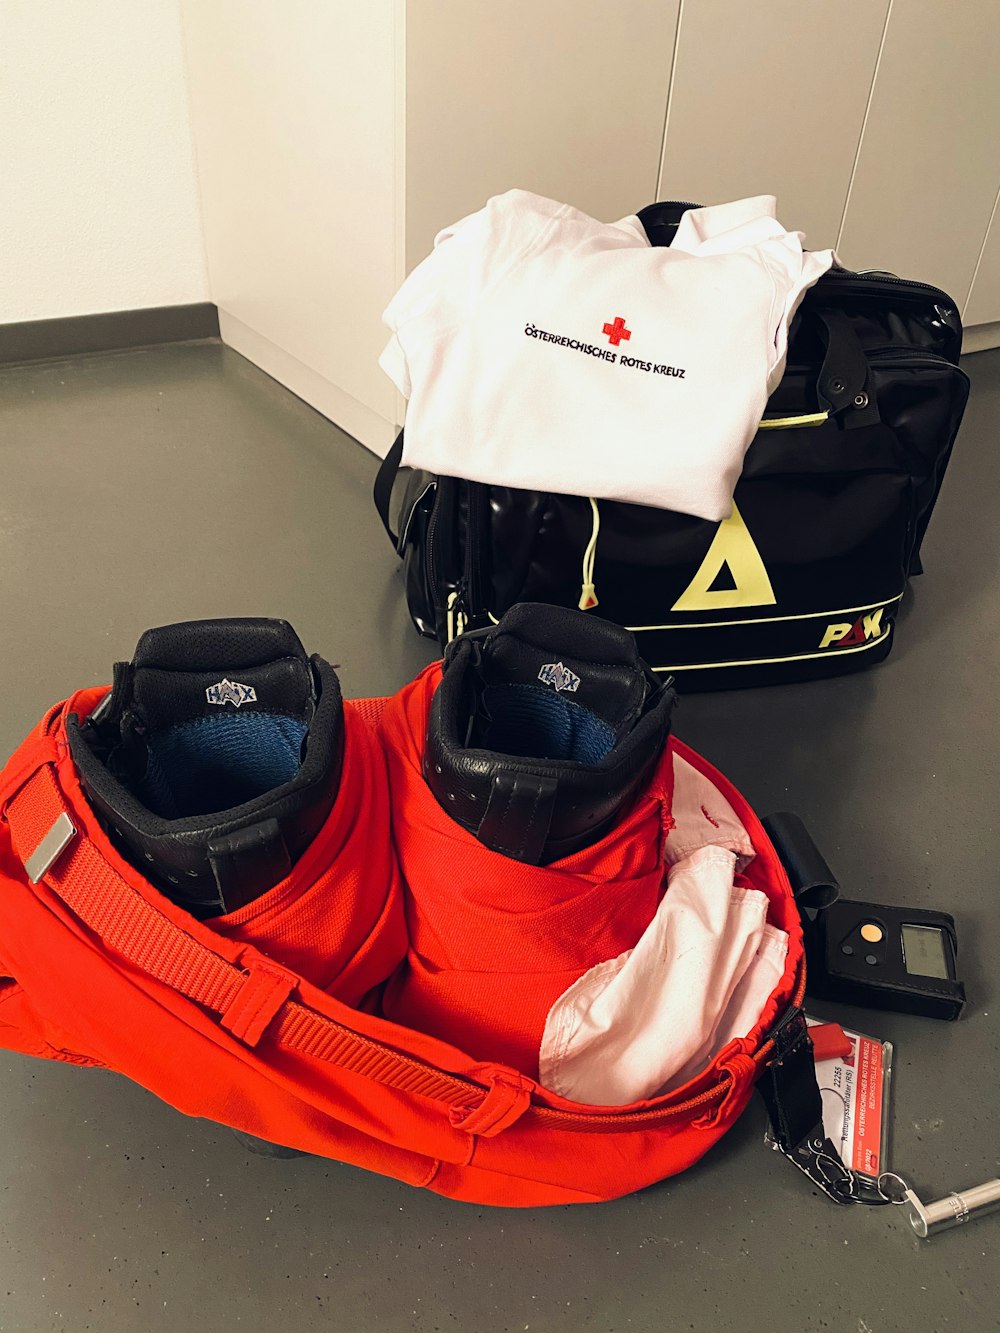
{"points": [[247, 862], [518, 815], [812, 880]]}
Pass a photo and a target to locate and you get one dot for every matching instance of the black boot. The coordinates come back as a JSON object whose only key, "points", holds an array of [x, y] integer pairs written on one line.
{"points": [[543, 729], [215, 759]]}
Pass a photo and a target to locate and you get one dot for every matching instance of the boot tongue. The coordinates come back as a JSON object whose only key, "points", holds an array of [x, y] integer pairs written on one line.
{"points": [[206, 669], [586, 663]]}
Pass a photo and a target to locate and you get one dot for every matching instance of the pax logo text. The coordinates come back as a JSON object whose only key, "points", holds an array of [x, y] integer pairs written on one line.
{"points": [[847, 633]]}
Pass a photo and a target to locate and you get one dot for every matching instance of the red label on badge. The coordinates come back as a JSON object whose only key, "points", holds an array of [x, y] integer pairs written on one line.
{"points": [[868, 1108]]}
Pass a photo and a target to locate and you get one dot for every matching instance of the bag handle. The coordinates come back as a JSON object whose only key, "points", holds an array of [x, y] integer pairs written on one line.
{"points": [[384, 481], [661, 220], [843, 380], [843, 377]]}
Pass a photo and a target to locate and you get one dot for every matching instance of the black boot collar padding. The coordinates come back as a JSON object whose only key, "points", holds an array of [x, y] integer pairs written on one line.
{"points": [[537, 810], [217, 861]]}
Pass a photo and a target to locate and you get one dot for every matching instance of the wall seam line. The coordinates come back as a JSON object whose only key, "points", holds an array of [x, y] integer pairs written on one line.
{"points": [[864, 126], [982, 251], [670, 98]]}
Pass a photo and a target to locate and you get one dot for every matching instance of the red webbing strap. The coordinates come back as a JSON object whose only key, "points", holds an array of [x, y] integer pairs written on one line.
{"points": [[135, 930]]}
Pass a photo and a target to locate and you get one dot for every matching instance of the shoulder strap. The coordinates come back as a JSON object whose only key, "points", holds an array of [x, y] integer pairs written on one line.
{"points": [[247, 1000], [382, 490]]}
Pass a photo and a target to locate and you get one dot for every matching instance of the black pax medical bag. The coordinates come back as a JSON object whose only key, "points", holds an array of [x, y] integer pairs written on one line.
{"points": [[804, 578]]}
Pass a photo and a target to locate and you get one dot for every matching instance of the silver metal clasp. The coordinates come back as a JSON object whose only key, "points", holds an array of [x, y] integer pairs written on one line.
{"points": [[51, 847]]}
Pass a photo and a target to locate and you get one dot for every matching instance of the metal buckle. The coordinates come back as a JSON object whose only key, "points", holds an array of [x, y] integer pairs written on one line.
{"points": [[51, 847]]}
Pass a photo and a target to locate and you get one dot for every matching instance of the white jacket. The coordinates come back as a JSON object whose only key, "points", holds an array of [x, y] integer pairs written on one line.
{"points": [[542, 349]]}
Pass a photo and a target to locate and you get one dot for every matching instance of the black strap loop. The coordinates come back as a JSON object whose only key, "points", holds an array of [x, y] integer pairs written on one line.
{"points": [[795, 1108], [813, 882], [247, 862], [382, 490], [789, 1086], [844, 381]]}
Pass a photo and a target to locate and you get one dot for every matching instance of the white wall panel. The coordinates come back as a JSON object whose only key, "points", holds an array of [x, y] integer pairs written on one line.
{"points": [[928, 169], [294, 112], [769, 98], [335, 138], [563, 97], [97, 179]]}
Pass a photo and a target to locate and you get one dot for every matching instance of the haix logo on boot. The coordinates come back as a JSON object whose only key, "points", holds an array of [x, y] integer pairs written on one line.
{"points": [[559, 676], [230, 692]]}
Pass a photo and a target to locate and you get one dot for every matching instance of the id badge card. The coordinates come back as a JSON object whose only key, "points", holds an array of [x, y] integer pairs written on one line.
{"points": [[855, 1089]]}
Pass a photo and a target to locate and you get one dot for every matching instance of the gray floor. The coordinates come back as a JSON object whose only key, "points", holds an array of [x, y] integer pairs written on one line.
{"points": [[157, 485]]}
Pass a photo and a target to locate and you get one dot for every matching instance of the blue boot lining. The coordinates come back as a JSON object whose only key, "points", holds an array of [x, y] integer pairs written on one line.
{"points": [[214, 763], [537, 723]]}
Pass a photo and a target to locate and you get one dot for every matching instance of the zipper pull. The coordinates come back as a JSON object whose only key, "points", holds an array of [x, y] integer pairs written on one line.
{"points": [[588, 594], [588, 597]]}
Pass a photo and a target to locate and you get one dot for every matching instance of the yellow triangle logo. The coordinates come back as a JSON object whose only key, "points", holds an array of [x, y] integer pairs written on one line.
{"points": [[732, 547]]}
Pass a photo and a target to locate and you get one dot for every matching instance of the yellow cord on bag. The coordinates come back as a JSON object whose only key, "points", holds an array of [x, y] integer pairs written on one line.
{"points": [[588, 594], [794, 423]]}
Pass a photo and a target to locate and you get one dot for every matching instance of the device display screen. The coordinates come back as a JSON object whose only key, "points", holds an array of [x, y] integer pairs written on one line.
{"points": [[923, 951]]}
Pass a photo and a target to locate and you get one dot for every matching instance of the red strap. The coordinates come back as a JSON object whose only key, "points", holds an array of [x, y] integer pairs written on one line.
{"points": [[266, 989], [508, 1098], [247, 1000]]}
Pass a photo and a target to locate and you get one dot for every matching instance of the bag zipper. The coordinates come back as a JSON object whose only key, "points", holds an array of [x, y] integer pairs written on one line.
{"points": [[477, 501], [430, 542], [904, 286], [465, 609], [913, 355], [901, 354], [715, 1094]]}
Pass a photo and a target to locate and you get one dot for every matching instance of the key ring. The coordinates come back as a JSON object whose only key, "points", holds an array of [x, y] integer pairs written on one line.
{"points": [[898, 1194]]}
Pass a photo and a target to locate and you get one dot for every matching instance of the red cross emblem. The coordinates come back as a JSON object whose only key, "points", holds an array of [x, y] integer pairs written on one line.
{"points": [[617, 331]]}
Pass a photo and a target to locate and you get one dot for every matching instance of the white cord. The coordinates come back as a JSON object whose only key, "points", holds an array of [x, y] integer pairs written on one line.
{"points": [[588, 595]]}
